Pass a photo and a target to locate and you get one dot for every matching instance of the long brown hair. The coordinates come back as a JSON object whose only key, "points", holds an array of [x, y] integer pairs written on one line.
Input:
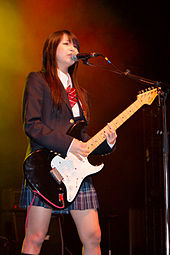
{"points": [[49, 69]]}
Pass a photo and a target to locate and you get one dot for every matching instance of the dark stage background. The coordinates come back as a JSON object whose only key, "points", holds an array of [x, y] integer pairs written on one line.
{"points": [[134, 35]]}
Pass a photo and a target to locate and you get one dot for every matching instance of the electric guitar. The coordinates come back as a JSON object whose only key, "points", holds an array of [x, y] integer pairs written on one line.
{"points": [[57, 180]]}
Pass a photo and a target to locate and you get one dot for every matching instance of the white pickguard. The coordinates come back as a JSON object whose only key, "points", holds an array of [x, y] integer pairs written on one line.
{"points": [[73, 172]]}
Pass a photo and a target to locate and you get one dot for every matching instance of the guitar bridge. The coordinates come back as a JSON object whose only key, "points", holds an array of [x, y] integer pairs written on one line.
{"points": [[57, 176]]}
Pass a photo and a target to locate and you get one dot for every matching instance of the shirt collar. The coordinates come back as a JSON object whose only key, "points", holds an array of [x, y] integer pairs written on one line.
{"points": [[64, 78]]}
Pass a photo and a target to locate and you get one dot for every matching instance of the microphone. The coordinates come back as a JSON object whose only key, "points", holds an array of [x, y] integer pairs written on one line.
{"points": [[84, 56]]}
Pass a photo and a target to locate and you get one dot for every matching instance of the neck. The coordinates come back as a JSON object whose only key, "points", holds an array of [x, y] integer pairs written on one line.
{"points": [[63, 69]]}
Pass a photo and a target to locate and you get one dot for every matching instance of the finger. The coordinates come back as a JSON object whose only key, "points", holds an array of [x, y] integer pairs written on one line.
{"points": [[107, 131], [110, 135], [111, 128]]}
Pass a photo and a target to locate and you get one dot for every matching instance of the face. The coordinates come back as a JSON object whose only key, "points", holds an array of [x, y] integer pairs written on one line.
{"points": [[64, 53]]}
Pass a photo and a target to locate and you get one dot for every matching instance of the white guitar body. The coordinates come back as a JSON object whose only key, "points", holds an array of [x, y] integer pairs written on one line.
{"points": [[73, 171]]}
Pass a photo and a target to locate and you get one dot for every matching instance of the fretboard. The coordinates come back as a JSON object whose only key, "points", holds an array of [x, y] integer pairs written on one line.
{"points": [[96, 140]]}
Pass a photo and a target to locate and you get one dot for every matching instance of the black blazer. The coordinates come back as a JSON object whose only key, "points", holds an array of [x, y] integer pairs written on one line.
{"points": [[44, 124]]}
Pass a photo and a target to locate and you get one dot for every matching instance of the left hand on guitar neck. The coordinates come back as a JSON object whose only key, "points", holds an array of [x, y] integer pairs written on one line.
{"points": [[110, 134]]}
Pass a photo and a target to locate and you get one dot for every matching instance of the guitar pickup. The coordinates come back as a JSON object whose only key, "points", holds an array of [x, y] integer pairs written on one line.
{"points": [[57, 176]]}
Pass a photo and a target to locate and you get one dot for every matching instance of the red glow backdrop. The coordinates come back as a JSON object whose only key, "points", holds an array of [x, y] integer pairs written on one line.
{"points": [[98, 27], [133, 35]]}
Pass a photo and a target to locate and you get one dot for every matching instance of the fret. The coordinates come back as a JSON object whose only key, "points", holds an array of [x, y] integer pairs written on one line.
{"points": [[96, 140], [126, 114], [144, 98]]}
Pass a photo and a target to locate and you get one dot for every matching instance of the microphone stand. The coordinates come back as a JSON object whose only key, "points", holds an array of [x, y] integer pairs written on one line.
{"points": [[162, 97]]}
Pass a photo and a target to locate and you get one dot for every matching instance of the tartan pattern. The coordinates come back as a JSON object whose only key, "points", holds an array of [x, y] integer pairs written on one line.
{"points": [[86, 198]]}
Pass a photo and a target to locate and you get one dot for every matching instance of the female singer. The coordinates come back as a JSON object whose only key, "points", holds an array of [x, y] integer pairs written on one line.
{"points": [[47, 116]]}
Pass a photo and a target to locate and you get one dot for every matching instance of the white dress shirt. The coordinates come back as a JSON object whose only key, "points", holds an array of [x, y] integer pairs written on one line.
{"points": [[66, 81]]}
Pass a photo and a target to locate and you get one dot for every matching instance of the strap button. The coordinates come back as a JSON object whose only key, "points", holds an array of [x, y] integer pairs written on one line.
{"points": [[71, 121]]}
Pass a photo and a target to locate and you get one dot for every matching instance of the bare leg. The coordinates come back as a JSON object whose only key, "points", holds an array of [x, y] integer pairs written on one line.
{"points": [[38, 223], [87, 224]]}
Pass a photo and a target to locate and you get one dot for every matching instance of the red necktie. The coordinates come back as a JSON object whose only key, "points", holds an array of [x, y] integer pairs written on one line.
{"points": [[71, 95]]}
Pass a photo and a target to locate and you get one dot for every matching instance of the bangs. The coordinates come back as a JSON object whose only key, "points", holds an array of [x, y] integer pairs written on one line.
{"points": [[72, 38]]}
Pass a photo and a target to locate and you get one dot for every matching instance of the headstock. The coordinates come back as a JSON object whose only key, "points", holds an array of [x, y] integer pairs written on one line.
{"points": [[148, 96]]}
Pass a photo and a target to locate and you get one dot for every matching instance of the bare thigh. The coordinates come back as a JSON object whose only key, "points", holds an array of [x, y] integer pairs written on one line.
{"points": [[38, 220]]}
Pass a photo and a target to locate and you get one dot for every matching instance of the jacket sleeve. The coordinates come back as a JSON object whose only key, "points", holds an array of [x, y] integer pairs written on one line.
{"points": [[37, 128]]}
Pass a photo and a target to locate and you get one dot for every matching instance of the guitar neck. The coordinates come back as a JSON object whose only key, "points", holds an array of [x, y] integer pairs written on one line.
{"points": [[96, 140]]}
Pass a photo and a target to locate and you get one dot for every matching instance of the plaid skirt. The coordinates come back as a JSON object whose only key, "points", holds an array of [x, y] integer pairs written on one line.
{"points": [[85, 199]]}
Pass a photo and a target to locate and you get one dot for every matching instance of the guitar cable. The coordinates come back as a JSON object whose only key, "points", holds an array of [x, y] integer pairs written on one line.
{"points": [[35, 191]]}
